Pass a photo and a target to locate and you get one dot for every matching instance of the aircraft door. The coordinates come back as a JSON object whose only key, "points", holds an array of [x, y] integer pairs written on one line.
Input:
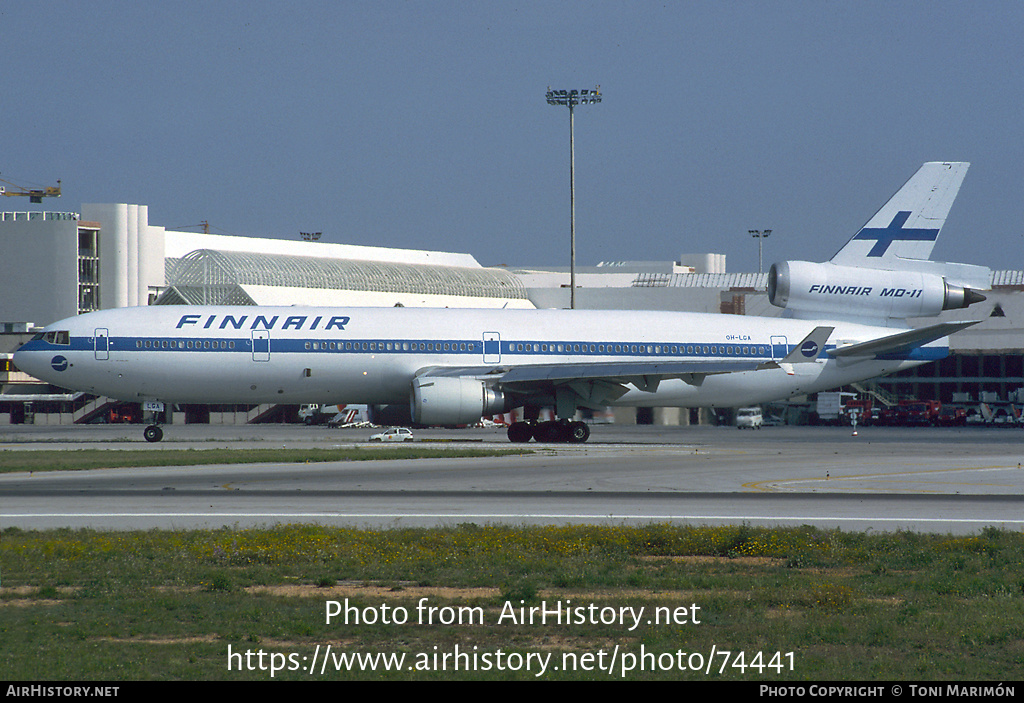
{"points": [[101, 344], [780, 348], [261, 345], [492, 348]]}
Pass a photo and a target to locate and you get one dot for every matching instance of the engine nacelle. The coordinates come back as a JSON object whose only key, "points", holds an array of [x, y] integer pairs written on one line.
{"points": [[825, 289], [438, 400]]}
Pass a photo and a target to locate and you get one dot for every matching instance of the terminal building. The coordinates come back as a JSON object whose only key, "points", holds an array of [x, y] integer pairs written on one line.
{"points": [[60, 264]]}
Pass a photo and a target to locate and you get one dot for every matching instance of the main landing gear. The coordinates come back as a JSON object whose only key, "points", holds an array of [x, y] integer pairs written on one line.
{"points": [[548, 432], [153, 433]]}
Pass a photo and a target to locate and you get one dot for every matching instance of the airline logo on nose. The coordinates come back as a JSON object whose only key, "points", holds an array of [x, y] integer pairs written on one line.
{"points": [[59, 363]]}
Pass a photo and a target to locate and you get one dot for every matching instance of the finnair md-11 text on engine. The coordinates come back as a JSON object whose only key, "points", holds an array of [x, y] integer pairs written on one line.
{"points": [[844, 321]]}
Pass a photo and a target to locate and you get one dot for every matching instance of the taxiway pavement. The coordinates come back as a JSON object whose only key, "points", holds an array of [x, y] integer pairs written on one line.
{"points": [[956, 480]]}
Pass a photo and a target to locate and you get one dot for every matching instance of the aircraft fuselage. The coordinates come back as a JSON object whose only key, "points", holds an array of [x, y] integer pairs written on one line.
{"points": [[250, 355]]}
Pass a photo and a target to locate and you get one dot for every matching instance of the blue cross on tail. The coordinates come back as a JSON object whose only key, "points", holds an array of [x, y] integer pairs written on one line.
{"points": [[885, 236]]}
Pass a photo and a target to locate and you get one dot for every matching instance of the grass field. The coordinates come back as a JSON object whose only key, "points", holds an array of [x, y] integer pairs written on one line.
{"points": [[80, 459], [736, 602]]}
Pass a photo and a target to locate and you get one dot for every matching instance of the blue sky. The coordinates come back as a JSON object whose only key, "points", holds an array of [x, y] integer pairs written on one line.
{"points": [[424, 124]]}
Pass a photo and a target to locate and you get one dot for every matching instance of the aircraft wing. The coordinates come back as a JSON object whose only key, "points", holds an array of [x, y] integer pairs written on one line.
{"points": [[614, 376], [592, 384], [610, 371], [901, 342]]}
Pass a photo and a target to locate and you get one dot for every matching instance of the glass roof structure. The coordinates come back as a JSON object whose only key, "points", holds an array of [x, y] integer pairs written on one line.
{"points": [[213, 277]]}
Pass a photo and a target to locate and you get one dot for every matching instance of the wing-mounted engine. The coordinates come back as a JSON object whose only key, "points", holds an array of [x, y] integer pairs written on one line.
{"points": [[440, 400], [809, 289]]}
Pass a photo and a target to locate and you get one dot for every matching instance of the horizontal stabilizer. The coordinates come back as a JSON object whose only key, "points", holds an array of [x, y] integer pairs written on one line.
{"points": [[903, 341]]}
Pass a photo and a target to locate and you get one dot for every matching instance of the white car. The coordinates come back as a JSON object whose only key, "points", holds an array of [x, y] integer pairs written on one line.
{"points": [[393, 434], [749, 417]]}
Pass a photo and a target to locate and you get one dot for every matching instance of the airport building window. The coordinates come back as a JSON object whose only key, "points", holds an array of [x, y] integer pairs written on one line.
{"points": [[88, 270]]}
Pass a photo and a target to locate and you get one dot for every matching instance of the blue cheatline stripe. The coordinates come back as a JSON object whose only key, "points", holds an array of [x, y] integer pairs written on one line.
{"points": [[449, 346], [278, 345]]}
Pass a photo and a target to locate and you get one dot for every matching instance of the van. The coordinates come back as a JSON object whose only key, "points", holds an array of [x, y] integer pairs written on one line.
{"points": [[749, 417]]}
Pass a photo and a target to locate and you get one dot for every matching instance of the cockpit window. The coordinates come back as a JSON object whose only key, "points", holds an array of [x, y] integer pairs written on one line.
{"points": [[56, 337]]}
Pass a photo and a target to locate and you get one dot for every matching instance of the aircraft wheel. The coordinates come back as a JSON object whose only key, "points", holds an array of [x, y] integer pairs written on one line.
{"points": [[153, 433], [548, 432], [578, 432], [520, 432]]}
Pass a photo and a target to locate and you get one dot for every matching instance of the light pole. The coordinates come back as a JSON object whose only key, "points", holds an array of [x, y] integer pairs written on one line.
{"points": [[572, 98], [760, 236]]}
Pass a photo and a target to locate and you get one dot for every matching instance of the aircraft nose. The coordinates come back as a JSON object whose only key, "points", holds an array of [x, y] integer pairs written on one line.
{"points": [[34, 362], [23, 360]]}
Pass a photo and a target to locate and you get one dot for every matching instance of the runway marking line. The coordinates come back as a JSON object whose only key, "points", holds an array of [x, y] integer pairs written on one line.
{"points": [[761, 485]]}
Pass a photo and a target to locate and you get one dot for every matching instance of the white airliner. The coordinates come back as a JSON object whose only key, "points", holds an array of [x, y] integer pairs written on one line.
{"points": [[844, 321]]}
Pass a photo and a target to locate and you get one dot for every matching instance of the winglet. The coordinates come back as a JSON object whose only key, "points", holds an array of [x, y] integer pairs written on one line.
{"points": [[810, 348]]}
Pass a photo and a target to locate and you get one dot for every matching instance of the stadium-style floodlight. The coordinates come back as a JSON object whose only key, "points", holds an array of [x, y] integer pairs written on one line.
{"points": [[760, 235], [570, 99]]}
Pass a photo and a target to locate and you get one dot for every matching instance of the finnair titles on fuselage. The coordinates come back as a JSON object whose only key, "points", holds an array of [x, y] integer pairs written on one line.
{"points": [[296, 322], [844, 321]]}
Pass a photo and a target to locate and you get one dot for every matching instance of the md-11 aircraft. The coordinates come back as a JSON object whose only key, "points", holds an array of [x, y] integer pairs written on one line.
{"points": [[843, 321]]}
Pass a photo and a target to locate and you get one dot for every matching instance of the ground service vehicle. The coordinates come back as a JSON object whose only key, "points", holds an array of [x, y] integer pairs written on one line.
{"points": [[393, 434], [749, 418], [918, 412]]}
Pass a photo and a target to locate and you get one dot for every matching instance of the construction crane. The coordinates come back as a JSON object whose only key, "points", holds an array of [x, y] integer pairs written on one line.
{"points": [[35, 195]]}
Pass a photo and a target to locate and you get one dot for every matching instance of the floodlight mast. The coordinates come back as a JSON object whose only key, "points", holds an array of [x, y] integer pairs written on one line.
{"points": [[760, 235], [570, 99]]}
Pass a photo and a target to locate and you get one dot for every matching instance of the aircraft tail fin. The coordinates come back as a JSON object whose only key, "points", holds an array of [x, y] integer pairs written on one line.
{"points": [[907, 226]]}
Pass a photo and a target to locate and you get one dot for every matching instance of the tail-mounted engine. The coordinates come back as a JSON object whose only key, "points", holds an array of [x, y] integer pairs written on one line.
{"points": [[828, 289]]}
